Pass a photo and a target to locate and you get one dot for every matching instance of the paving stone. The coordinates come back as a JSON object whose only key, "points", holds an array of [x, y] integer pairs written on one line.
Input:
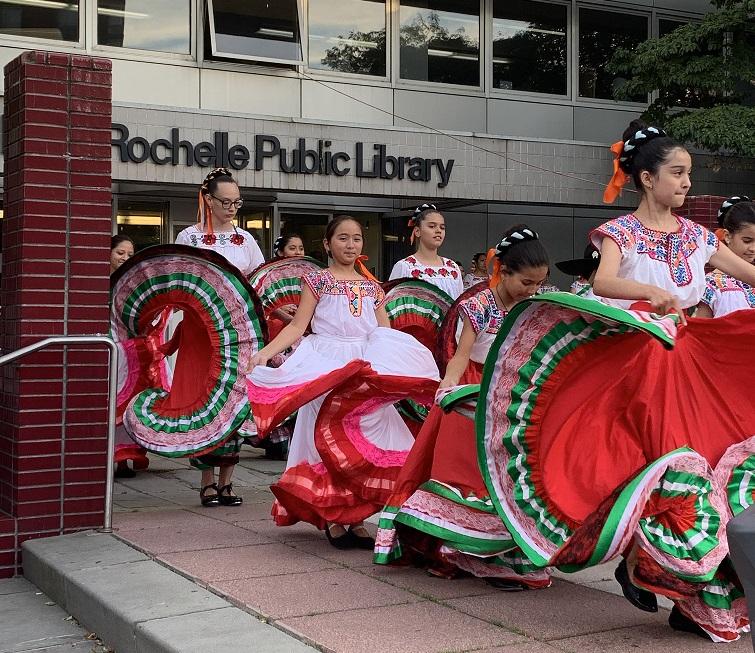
{"points": [[144, 519], [200, 536], [246, 512], [421, 583], [244, 562], [560, 611], [318, 592], [16, 585], [319, 546], [649, 638], [297, 532], [423, 627]]}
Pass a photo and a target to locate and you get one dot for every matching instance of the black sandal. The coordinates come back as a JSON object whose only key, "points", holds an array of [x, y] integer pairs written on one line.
{"points": [[638, 597], [228, 499], [361, 541], [212, 499]]}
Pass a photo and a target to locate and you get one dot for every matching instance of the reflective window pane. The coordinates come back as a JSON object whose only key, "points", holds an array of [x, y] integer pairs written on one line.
{"points": [[530, 46], [601, 33], [51, 19], [163, 26], [440, 41], [347, 36], [256, 29], [668, 25]]}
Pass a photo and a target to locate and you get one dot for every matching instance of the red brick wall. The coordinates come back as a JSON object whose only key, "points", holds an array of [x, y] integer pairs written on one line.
{"points": [[55, 258], [702, 209]]}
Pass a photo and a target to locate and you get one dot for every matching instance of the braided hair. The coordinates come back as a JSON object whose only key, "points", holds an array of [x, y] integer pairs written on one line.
{"points": [[731, 219], [645, 148], [521, 248], [208, 187]]}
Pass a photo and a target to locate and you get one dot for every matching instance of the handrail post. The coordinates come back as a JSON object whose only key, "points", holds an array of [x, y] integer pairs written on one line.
{"points": [[111, 403]]}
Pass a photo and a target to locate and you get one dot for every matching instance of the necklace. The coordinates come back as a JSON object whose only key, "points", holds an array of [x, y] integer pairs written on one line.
{"points": [[503, 306]]}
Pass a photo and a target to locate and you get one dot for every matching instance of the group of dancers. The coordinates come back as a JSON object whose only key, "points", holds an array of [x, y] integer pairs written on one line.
{"points": [[545, 436]]}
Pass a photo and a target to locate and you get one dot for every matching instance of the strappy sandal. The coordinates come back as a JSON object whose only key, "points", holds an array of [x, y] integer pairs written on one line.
{"points": [[211, 499], [228, 499]]}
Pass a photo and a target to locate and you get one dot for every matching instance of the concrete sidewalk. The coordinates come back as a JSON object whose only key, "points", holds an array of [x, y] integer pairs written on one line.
{"points": [[30, 621], [338, 600]]}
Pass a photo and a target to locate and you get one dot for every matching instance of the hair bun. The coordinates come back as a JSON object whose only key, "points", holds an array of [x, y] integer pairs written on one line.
{"points": [[727, 204], [634, 142], [517, 236]]}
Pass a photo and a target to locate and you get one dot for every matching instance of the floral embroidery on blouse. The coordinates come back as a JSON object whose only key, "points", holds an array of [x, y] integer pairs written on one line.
{"points": [[448, 269], [324, 283], [483, 312], [718, 282], [674, 248], [221, 239]]}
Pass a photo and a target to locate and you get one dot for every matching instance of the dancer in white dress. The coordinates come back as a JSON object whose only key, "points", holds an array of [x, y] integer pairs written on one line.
{"points": [[349, 330], [429, 230], [219, 202], [723, 293]]}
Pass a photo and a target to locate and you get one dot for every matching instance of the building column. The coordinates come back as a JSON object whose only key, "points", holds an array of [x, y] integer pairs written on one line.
{"points": [[55, 268]]}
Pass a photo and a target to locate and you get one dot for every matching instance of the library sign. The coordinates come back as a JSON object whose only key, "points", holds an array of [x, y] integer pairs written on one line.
{"points": [[304, 159]]}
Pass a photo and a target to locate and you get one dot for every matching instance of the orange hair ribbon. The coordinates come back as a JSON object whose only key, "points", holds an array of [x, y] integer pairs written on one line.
{"points": [[362, 268], [411, 225], [720, 235], [495, 278], [204, 215], [619, 179]]}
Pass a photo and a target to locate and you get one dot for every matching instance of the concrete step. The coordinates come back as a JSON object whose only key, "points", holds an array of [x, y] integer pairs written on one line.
{"points": [[136, 605]]}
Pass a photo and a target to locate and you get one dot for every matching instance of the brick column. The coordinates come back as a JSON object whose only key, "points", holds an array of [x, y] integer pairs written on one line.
{"points": [[55, 267], [702, 209]]}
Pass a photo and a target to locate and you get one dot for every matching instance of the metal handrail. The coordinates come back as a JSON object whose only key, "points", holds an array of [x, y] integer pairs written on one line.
{"points": [[112, 395]]}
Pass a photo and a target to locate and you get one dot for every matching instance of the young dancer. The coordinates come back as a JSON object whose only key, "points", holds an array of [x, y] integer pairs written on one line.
{"points": [[479, 271], [348, 324], [429, 231], [723, 293], [653, 255], [441, 510], [288, 245], [219, 202]]}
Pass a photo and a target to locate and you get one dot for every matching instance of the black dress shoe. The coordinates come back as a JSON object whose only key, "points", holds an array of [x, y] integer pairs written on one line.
{"points": [[228, 499], [209, 500], [679, 622], [342, 542], [505, 585], [361, 541], [637, 596]]}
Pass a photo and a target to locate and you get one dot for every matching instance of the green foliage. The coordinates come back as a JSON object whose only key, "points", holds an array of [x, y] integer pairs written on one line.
{"points": [[702, 74]]}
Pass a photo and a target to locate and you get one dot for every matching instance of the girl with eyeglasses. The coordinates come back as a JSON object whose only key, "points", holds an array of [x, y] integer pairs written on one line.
{"points": [[219, 202]]}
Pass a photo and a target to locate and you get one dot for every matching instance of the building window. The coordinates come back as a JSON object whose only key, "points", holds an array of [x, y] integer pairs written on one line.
{"points": [[141, 221], [145, 25], [668, 25], [440, 41], [530, 47], [51, 19], [258, 30], [601, 33], [347, 36]]}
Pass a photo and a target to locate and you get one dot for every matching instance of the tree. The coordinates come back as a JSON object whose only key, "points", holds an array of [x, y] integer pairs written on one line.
{"points": [[704, 76]]}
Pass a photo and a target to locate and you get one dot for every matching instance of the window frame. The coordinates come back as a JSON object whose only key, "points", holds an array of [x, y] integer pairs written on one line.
{"points": [[249, 58], [576, 24], [421, 85], [23, 42], [501, 93], [340, 75], [137, 54]]}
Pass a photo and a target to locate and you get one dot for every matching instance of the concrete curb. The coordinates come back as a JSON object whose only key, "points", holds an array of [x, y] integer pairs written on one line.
{"points": [[136, 605]]}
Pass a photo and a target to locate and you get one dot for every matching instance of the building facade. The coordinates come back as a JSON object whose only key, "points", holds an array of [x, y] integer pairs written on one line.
{"points": [[499, 111]]}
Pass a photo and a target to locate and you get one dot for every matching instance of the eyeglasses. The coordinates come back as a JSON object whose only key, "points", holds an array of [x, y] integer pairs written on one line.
{"points": [[227, 204]]}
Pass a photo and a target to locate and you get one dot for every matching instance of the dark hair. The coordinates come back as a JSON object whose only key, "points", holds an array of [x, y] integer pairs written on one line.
{"points": [[739, 215], [478, 255], [118, 239], [645, 148], [217, 176], [521, 248], [284, 239], [336, 222], [421, 212]]}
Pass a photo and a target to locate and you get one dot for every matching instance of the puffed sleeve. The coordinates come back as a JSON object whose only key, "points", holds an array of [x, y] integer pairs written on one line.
{"points": [[400, 270]]}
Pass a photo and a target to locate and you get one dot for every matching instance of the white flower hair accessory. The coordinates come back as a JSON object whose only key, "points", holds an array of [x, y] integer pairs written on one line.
{"points": [[727, 204]]}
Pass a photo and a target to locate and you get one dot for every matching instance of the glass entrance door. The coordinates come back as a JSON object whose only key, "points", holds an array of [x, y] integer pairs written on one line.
{"points": [[310, 227]]}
